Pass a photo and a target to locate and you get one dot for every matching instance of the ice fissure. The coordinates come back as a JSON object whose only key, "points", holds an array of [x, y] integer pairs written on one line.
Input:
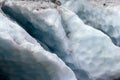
{"points": [[50, 42]]}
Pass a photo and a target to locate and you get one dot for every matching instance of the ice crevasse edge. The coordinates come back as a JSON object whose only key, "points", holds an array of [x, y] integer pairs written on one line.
{"points": [[22, 57], [78, 45]]}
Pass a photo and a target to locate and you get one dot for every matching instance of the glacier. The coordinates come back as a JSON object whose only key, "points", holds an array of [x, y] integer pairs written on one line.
{"points": [[49, 18], [45, 42], [104, 18], [23, 58]]}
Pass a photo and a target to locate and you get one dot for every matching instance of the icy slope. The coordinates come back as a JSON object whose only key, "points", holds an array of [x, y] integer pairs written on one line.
{"points": [[43, 24], [22, 58], [87, 51], [103, 17], [92, 50]]}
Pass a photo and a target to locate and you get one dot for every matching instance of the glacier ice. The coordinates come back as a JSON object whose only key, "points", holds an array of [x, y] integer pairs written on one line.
{"points": [[103, 18], [87, 51], [43, 24], [92, 50], [22, 58]]}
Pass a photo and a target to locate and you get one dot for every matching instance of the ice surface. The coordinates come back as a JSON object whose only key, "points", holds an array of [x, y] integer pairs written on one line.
{"points": [[22, 58], [92, 50], [44, 24], [88, 51], [105, 18]]}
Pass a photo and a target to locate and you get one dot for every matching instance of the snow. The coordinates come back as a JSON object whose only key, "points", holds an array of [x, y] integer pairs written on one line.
{"points": [[22, 58]]}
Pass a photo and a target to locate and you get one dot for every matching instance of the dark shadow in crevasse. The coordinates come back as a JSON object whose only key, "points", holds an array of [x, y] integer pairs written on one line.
{"points": [[41, 35], [117, 79], [3, 75]]}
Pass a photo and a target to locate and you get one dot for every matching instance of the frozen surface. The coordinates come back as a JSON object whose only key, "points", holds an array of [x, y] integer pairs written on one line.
{"points": [[91, 52], [22, 58], [103, 15], [43, 24]]}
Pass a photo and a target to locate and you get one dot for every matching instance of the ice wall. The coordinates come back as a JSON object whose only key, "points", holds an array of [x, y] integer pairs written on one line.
{"points": [[23, 58], [89, 51]]}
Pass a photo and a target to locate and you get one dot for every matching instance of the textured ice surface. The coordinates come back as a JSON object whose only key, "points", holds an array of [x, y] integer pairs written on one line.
{"points": [[103, 17], [43, 24], [22, 58], [92, 50], [91, 65], [89, 52]]}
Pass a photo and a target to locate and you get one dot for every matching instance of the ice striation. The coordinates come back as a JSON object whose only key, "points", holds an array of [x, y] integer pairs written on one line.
{"points": [[46, 30]]}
